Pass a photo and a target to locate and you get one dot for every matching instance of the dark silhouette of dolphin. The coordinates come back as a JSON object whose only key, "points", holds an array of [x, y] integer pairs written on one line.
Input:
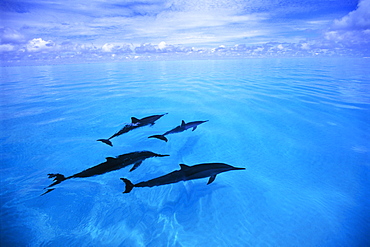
{"points": [[185, 173], [111, 164], [135, 123], [184, 126]]}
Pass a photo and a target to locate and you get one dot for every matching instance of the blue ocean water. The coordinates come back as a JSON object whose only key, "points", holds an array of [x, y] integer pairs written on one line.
{"points": [[300, 127]]}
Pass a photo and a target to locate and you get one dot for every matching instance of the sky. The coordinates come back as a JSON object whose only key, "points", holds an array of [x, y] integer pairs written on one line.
{"points": [[116, 27]]}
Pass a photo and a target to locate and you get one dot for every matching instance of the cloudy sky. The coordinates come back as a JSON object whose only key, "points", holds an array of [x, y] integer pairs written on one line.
{"points": [[34, 25]]}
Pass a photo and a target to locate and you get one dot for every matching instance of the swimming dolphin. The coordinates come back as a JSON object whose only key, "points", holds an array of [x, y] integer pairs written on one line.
{"points": [[111, 164], [135, 123], [185, 173], [184, 126]]}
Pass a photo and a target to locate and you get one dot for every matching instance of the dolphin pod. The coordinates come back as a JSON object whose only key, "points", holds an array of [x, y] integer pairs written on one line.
{"points": [[136, 158], [184, 174], [135, 123]]}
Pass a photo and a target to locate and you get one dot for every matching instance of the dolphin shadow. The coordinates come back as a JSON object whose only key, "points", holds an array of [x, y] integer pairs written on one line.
{"points": [[188, 204], [188, 147]]}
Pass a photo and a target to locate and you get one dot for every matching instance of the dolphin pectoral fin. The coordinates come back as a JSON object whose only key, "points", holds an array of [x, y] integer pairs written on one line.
{"points": [[106, 141], [136, 165], [211, 179], [160, 137], [194, 128], [129, 185]]}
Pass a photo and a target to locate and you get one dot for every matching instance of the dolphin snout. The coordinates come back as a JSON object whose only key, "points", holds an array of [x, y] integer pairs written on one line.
{"points": [[162, 155]]}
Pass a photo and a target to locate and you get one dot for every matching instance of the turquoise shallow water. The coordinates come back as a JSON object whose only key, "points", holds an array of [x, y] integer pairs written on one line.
{"points": [[300, 127]]}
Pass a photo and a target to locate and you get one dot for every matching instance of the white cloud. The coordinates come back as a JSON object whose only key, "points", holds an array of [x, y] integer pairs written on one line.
{"points": [[201, 23], [39, 44], [10, 36], [6, 47], [358, 19], [354, 28], [305, 46], [350, 37], [199, 28], [107, 47], [162, 45], [126, 27], [177, 22]]}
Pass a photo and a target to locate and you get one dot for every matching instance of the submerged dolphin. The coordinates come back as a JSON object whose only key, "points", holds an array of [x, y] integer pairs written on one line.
{"points": [[184, 126], [185, 173], [111, 164], [135, 123]]}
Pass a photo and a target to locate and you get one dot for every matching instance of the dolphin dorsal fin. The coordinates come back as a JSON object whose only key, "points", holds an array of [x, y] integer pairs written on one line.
{"points": [[109, 158], [182, 123], [183, 166], [134, 120]]}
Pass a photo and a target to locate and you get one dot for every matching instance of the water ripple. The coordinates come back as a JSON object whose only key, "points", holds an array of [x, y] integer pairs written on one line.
{"points": [[299, 127]]}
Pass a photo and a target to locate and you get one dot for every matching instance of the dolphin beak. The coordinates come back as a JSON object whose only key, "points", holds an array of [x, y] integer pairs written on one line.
{"points": [[162, 155], [239, 168]]}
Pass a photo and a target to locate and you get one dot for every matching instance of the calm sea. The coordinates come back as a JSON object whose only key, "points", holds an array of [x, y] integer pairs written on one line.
{"points": [[300, 127]]}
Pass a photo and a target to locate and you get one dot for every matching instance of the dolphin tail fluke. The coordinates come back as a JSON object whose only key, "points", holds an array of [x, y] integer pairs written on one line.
{"points": [[129, 185], [48, 190], [106, 141], [160, 137], [58, 178]]}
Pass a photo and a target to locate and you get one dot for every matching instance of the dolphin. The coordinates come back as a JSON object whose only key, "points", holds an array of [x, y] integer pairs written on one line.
{"points": [[185, 173], [184, 126], [111, 164], [135, 123]]}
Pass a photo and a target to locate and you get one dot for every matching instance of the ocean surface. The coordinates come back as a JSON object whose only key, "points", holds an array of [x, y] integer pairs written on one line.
{"points": [[300, 127]]}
